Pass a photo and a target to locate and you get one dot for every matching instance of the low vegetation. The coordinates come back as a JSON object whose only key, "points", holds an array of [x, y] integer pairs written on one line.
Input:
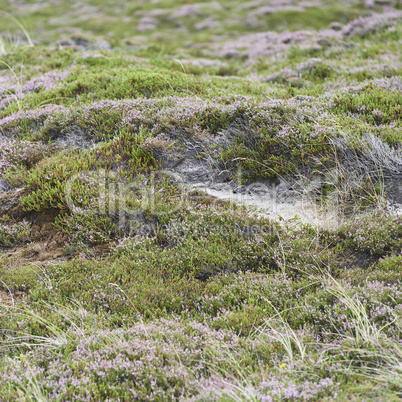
{"points": [[121, 279]]}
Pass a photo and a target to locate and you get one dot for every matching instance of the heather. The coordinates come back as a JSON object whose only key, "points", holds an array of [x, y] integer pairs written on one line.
{"points": [[200, 200]]}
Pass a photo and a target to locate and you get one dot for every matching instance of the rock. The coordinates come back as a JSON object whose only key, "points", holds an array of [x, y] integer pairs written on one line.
{"points": [[86, 43], [81, 42], [10, 200], [100, 44], [4, 187], [393, 193]]}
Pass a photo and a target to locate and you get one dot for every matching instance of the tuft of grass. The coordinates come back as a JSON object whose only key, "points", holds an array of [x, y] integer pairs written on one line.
{"points": [[9, 45]]}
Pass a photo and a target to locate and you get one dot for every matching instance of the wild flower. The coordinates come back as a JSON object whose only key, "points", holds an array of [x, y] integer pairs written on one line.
{"points": [[374, 234], [368, 25], [16, 154], [11, 91], [13, 233]]}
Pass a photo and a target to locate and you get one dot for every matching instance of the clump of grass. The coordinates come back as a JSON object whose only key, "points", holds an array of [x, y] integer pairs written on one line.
{"points": [[8, 44]]}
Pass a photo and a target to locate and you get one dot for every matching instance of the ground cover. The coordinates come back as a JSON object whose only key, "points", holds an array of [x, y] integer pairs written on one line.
{"points": [[124, 275]]}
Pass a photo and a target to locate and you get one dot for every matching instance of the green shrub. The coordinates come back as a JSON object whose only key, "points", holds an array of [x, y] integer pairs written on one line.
{"points": [[13, 233], [47, 182]]}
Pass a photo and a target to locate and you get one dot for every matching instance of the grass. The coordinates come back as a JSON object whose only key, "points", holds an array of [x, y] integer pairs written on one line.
{"points": [[236, 368], [120, 280]]}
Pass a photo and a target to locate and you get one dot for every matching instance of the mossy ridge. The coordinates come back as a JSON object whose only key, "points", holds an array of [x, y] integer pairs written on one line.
{"points": [[121, 80]]}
